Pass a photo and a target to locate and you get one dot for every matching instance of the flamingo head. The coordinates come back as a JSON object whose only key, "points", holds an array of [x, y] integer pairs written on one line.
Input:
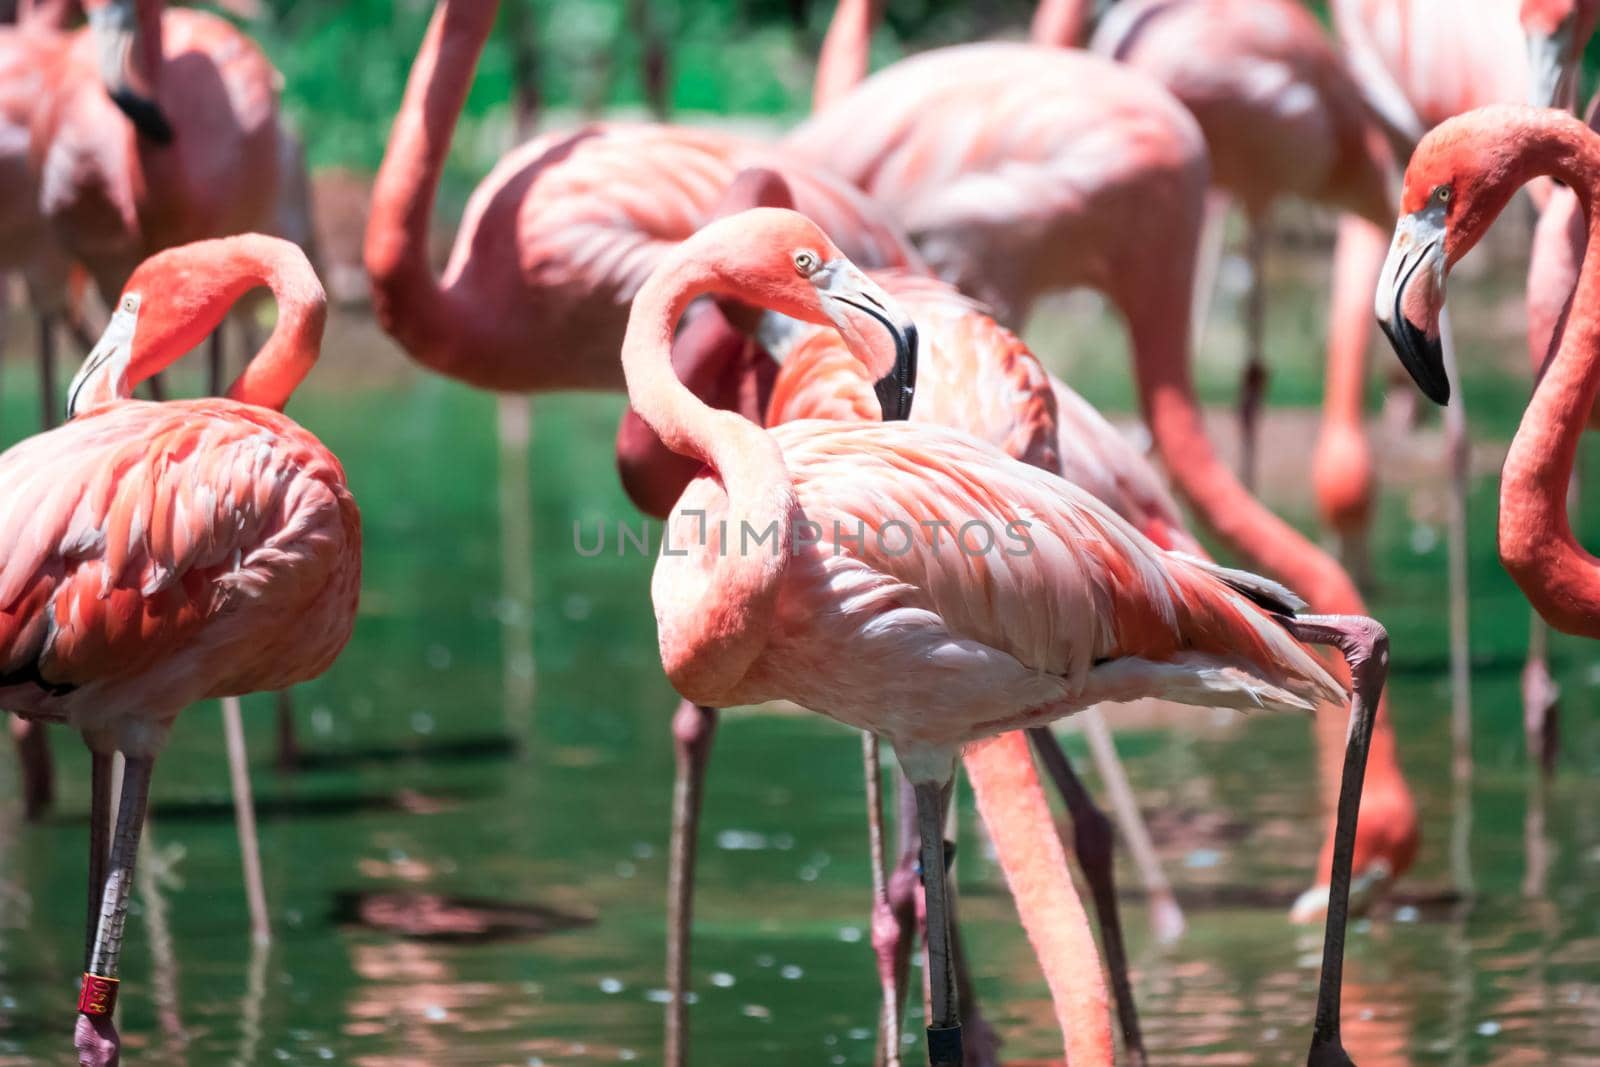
{"points": [[128, 53], [1557, 31], [174, 299], [781, 261], [1459, 179]]}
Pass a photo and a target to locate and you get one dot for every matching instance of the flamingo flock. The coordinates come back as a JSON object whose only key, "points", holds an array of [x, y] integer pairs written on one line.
{"points": [[880, 505]]}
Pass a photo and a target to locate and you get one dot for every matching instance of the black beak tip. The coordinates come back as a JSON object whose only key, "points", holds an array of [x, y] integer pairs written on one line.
{"points": [[145, 114], [896, 389], [1422, 357]]}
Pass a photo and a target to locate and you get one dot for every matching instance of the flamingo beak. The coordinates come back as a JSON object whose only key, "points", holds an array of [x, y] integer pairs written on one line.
{"points": [[1551, 65], [108, 359], [114, 28], [1410, 297], [874, 328]]}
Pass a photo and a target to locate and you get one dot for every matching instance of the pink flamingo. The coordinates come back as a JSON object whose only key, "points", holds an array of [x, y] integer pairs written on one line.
{"points": [[1020, 409], [161, 128], [977, 376], [170, 553], [1559, 243], [1022, 170], [1419, 63], [928, 652], [559, 235], [28, 52], [1309, 136], [1460, 178]]}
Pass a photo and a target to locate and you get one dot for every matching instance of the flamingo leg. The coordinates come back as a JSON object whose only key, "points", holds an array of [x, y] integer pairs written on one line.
{"points": [[1365, 647], [1213, 236], [894, 929], [96, 1036], [100, 773], [693, 729], [288, 743], [48, 408], [36, 767], [979, 1041], [1458, 450], [1253, 383], [1092, 839], [1540, 694], [1166, 918], [244, 811], [885, 929], [944, 1013]]}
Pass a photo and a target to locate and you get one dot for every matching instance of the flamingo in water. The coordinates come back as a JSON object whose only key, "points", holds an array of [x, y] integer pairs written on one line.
{"points": [[1419, 62], [893, 635], [157, 554], [1023, 411], [1460, 178], [974, 375], [1021, 170], [27, 52]]}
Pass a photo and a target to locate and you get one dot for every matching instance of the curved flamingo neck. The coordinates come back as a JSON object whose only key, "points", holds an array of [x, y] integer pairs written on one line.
{"points": [[708, 647], [1560, 578], [439, 330], [175, 299], [846, 50], [1061, 23], [1011, 801]]}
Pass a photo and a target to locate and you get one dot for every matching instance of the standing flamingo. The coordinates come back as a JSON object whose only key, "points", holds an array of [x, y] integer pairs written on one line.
{"points": [[28, 52], [1421, 62], [160, 128], [977, 376], [1282, 117], [1459, 180], [160, 554], [1020, 409], [924, 650], [1021, 170]]}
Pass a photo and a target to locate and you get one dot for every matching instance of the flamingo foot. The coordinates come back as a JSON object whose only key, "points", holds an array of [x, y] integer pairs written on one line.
{"points": [[97, 1042], [1366, 888], [1166, 919], [1541, 720]]}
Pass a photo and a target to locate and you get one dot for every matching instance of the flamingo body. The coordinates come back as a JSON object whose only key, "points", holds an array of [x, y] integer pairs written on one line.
{"points": [[559, 235], [933, 647], [115, 197], [1282, 116], [28, 55], [1018, 169], [175, 552]]}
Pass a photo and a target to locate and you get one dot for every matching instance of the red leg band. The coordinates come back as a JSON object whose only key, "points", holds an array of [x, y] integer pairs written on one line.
{"points": [[97, 996]]}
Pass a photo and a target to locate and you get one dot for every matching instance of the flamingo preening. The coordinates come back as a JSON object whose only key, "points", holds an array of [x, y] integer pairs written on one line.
{"points": [[927, 651], [170, 552]]}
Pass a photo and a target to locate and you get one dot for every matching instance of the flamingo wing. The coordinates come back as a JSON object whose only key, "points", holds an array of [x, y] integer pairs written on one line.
{"points": [[1066, 586]]}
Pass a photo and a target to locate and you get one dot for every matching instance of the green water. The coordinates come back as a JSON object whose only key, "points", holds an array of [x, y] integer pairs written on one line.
{"points": [[426, 770]]}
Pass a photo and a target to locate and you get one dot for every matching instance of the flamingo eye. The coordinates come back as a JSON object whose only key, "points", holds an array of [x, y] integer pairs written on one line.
{"points": [[1442, 194], [806, 263]]}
